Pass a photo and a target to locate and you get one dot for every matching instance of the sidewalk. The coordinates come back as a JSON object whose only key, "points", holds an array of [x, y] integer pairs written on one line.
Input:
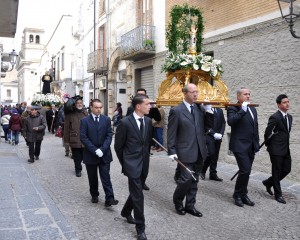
{"points": [[45, 200]]}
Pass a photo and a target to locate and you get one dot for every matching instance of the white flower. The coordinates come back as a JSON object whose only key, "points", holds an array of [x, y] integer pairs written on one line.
{"points": [[206, 67], [195, 66]]}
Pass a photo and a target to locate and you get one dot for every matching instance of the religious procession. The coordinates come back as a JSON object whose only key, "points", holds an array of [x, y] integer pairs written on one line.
{"points": [[191, 156]]}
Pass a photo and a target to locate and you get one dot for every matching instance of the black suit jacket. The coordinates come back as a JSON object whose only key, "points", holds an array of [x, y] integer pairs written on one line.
{"points": [[186, 136], [132, 149], [279, 143], [95, 135], [244, 130], [219, 124]]}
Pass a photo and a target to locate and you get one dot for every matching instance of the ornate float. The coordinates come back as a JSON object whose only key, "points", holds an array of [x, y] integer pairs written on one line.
{"points": [[184, 65]]}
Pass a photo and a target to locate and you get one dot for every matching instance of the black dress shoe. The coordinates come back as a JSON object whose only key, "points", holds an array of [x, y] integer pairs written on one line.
{"points": [[31, 160], [238, 201], [194, 212], [129, 218], [94, 200], [141, 236], [78, 174], [246, 200], [268, 188], [280, 199], [111, 202], [180, 209], [145, 187], [216, 178], [202, 175], [37, 158]]}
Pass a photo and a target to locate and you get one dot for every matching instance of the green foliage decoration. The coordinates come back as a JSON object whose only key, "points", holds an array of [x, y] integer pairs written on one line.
{"points": [[178, 29]]}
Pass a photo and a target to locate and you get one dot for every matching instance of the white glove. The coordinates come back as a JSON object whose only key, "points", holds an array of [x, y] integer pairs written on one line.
{"points": [[208, 108], [99, 153], [173, 157], [245, 106], [218, 136]]}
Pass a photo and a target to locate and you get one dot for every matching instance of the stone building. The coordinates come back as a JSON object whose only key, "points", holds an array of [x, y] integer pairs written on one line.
{"points": [[251, 39]]}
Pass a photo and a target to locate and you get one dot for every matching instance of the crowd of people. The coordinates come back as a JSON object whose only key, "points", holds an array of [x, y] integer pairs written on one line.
{"points": [[194, 137]]}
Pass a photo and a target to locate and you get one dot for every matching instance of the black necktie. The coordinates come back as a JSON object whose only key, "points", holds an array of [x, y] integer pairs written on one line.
{"points": [[96, 119], [192, 112], [141, 126], [286, 122]]}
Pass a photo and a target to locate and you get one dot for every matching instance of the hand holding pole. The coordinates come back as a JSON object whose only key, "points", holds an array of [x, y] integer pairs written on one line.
{"points": [[176, 159]]}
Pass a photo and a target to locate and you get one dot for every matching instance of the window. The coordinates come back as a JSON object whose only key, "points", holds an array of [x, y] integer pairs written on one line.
{"points": [[8, 93], [37, 39], [30, 38]]}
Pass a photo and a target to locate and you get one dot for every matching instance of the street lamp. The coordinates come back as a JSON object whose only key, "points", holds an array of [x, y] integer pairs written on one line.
{"points": [[291, 17], [13, 58]]}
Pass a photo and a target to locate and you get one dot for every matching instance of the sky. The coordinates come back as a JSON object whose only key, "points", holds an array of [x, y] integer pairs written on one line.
{"points": [[43, 14]]}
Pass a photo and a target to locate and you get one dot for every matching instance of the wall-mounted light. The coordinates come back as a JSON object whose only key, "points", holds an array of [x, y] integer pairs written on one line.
{"points": [[291, 17]]}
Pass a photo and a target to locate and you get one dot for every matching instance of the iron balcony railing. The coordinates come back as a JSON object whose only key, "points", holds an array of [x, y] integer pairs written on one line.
{"points": [[97, 61], [138, 39]]}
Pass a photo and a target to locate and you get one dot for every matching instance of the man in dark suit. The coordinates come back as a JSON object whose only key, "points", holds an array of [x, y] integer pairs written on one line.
{"points": [[244, 143], [213, 143], [278, 146], [51, 117], [96, 136], [187, 126], [153, 114], [132, 145]]}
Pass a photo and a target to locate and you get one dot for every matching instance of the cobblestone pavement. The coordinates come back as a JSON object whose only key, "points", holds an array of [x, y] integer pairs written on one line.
{"points": [[45, 200]]}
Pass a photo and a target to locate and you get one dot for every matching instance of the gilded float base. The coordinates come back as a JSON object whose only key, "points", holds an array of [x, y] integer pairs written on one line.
{"points": [[211, 90]]}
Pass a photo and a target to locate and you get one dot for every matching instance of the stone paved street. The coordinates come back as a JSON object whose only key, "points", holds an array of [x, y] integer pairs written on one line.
{"points": [[45, 200]]}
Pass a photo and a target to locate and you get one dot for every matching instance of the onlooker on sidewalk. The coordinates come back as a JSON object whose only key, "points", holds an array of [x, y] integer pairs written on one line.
{"points": [[118, 114], [278, 146], [15, 126], [61, 123], [158, 129], [72, 133], [5, 124], [24, 115], [96, 136], [33, 132]]}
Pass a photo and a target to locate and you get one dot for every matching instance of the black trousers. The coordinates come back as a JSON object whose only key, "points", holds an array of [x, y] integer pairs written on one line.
{"points": [[186, 186], [281, 167], [244, 161], [34, 149], [77, 155], [104, 169], [211, 161], [135, 202]]}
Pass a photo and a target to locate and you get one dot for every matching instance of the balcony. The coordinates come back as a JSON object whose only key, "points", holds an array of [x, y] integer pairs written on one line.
{"points": [[138, 44], [97, 61]]}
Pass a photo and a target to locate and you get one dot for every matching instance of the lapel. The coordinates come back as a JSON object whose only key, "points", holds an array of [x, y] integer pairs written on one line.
{"points": [[136, 127], [284, 122], [248, 115], [187, 113]]}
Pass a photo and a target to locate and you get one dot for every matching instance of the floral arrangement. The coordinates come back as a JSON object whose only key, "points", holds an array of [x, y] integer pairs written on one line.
{"points": [[201, 61], [46, 100]]}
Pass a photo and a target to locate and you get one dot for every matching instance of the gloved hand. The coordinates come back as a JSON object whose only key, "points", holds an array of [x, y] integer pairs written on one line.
{"points": [[218, 136], [173, 157], [245, 106], [99, 153], [207, 107]]}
